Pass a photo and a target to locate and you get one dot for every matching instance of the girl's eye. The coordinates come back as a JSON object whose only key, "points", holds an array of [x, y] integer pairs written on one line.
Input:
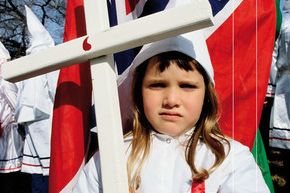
{"points": [[189, 86], [157, 85]]}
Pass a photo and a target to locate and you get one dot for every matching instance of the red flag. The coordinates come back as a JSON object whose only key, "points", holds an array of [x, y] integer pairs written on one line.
{"points": [[241, 53], [71, 110]]}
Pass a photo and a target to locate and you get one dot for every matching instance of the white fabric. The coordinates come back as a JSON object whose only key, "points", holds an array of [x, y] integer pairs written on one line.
{"points": [[279, 138], [286, 5], [273, 73], [39, 36], [35, 104], [4, 54], [34, 111], [8, 94], [166, 170], [280, 114], [11, 141]]}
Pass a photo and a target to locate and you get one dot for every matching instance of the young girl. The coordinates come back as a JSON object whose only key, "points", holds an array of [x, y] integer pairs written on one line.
{"points": [[176, 145]]}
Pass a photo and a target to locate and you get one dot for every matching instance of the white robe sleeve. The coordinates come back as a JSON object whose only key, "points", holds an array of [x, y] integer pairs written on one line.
{"points": [[8, 94], [90, 177], [241, 173], [34, 102]]}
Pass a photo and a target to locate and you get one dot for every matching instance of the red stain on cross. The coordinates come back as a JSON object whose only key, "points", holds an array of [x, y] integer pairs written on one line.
{"points": [[86, 45]]}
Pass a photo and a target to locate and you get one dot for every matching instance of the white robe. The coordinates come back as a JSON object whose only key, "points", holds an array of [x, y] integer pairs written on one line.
{"points": [[34, 111], [280, 114], [11, 140], [166, 170]]}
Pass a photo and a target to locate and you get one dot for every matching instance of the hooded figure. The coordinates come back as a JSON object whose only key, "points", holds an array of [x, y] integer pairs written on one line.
{"points": [[165, 167], [11, 140], [280, 73], [35, 104]]}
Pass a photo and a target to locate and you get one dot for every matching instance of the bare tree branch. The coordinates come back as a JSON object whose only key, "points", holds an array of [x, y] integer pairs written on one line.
{"points": [[13, 30]]}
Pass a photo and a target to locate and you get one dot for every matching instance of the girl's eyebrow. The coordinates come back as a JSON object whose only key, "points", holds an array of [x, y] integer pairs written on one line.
{"points": [[158, 80], [153, 80], [189, 82]]}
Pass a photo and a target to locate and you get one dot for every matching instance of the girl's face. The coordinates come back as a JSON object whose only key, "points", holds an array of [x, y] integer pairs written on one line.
{"points": [[172, 99]]}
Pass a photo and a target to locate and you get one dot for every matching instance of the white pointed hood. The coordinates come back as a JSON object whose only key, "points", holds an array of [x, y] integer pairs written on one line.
{"points": [[4, 56], [34, 103], [39, 36]]}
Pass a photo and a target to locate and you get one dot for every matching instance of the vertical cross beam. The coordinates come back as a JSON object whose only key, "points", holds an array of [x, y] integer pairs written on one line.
{"points": [[105, 94]]}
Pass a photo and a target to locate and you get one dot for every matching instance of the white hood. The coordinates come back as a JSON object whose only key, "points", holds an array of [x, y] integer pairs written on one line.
{"points": [[39, 36]]}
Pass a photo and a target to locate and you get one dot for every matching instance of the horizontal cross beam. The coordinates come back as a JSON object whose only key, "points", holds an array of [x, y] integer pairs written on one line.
{"points": [[175, 21]]}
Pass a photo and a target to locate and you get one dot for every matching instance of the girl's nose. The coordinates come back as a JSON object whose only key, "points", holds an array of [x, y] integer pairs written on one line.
{"points": [[171, 99]]}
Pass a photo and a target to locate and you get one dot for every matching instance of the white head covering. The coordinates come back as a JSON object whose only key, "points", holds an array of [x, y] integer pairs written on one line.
{"points": [[39, 36], [191, 44], [4, 55], [286, 6], [34, 103], [40, 39]]}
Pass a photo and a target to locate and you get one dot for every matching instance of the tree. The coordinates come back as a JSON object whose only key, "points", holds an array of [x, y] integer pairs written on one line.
{"points": [[13, 33]]}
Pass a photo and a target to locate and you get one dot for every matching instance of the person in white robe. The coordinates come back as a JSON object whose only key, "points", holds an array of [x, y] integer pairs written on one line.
{"points": [[11, 139], [279, 135], [35, 104], [166, 169], [33, 110]]}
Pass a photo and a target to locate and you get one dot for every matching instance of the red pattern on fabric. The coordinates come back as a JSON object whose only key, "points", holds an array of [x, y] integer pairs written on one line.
{"points": [[130, 5], [198, 187]]}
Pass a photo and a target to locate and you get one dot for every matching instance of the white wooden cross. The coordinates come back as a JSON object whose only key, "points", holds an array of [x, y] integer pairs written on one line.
{"points": [[105, 41]]}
